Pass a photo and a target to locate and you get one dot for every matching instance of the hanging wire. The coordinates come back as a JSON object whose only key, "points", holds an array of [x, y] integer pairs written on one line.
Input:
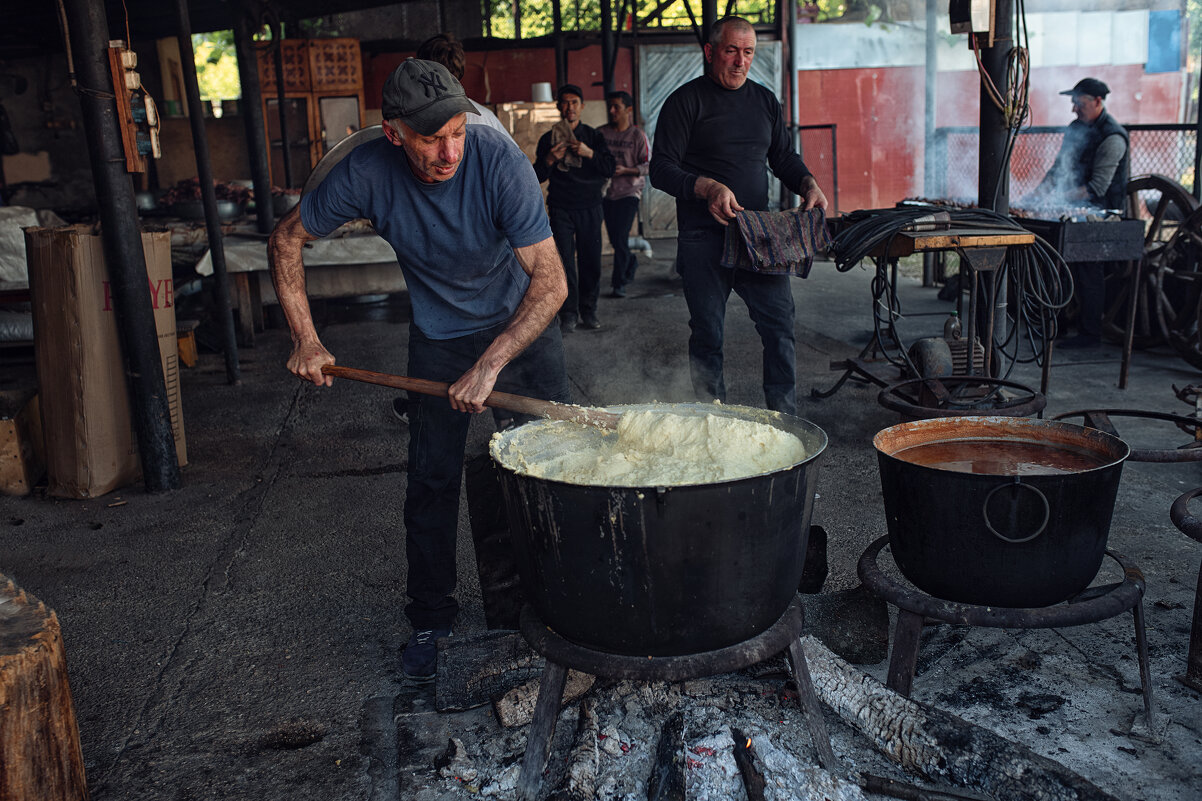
{"points": [[1014, 103], [71, 76]]}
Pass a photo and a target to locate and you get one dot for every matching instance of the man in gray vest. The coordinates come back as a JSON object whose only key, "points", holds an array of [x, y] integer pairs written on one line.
{"points": [[1092, 168]]}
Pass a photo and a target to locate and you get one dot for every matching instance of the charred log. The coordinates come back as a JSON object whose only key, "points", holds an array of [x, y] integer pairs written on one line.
{"points": [[749, 765], [666, 782], [475, 669], [938, 745], [580, 781], [516, 707]]}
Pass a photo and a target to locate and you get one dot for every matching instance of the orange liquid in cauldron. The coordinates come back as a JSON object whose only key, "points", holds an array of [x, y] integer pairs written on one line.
{"points": [[1000, 457]]}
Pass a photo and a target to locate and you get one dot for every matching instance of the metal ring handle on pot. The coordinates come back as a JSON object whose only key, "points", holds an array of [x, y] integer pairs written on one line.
{"points": [[1047, 512]]}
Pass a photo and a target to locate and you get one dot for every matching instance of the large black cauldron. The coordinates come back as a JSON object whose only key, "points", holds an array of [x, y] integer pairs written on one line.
{"points": [[665, 571], [996, 539]]}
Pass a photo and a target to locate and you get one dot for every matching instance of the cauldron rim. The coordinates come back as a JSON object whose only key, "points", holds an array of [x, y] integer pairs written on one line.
{"points": [[1100, 444], [803, 429]]}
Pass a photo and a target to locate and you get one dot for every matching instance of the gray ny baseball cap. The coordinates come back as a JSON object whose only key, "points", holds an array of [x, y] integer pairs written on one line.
{"points": [[423, 95]]}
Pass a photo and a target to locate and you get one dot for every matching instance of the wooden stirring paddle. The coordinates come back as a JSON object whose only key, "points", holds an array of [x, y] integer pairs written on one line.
{"points": [[585, 415]]}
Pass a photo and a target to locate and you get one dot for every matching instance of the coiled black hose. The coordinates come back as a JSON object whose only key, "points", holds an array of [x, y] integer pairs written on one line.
{"points": [[1038, 280]]}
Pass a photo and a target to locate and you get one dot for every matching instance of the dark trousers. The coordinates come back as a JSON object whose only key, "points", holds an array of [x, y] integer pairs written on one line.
{"points": [[577, 235], [619, 216], [1090, 288], [437, 437], [769, 299]]}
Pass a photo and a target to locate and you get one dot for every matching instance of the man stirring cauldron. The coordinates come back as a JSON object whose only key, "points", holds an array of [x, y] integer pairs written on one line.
{"points": [[462, 208], [1092, 168]]}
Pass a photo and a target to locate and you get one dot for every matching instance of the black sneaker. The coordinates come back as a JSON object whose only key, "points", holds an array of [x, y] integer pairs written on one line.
{"points": [[419, 660], [618, 292], [590, 322], [567, 324], [400, 409]]}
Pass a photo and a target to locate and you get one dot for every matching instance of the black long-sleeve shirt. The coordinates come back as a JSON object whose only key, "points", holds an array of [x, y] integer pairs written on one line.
{"points": [[729, 135], [577, 187]]}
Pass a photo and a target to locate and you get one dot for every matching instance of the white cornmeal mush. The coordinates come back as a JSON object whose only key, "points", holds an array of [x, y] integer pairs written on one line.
{"points": [[650, 448]]}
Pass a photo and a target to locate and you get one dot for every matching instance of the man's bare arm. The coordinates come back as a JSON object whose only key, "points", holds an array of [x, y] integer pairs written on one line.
{"points": [[288, 276], [547, 291]]}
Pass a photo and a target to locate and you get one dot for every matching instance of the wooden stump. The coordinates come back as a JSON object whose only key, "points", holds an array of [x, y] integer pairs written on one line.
{"points": [[40, 756]]}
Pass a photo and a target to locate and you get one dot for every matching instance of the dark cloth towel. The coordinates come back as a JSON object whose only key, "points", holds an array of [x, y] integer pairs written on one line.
{"points": [[775, 242]]}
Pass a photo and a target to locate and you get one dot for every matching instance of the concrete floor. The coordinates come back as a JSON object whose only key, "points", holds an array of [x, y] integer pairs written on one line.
{"points": [[239, 638]]}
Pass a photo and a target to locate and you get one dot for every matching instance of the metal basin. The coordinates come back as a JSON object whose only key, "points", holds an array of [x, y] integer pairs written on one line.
{"points": [[999, 537], [665, 571]]}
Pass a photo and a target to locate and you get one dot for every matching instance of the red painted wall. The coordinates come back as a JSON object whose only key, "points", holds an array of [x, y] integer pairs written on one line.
{"points": [[879, 114], [875, 114], [505, 76]]}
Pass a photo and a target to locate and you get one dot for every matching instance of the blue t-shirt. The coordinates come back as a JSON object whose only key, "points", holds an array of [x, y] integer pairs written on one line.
{"points": [[454, 240]]}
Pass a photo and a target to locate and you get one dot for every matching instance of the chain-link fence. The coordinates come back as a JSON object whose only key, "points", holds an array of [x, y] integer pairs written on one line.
{"points": [[821, 155], [1163, 149]]}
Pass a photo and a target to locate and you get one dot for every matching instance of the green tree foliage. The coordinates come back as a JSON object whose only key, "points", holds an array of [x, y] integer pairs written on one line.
{"points": [[216, 65], [585, 15]]}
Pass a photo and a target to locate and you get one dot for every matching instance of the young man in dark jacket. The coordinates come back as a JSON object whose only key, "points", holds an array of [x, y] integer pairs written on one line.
{"points": [[575, 162]]}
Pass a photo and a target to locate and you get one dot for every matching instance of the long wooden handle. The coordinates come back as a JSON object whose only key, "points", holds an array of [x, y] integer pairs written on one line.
{"points": [[500, 400]]}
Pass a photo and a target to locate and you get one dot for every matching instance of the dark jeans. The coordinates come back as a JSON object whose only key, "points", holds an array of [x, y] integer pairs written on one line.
{"points": [[577, 235], [769, 299], [619, 216], [437, 436]]}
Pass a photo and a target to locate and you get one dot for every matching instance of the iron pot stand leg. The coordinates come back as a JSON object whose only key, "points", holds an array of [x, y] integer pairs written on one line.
{"points": [[1141, 648], [811, 708], [1193, 662], [903, 659]]}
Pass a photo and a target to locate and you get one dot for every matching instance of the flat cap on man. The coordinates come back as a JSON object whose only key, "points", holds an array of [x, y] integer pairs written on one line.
{"points": [[423, 95], [1088, 86]]}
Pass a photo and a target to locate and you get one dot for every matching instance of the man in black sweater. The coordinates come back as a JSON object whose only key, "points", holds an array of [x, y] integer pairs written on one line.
{"points": [[712, 140], [575, 161]]}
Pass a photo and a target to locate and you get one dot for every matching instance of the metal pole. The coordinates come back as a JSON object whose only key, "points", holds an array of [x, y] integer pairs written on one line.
{"points": [[282, 105], [1198, 136], [252, 115], [928, 142], [794, 32], [561, 66], [200, 143], [993, 181], [993, 187], [123, 246], [607, 47], [709, 15]]}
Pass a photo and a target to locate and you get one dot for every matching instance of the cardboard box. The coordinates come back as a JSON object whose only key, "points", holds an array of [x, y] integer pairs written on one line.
{"points": [[22, 460], [87, 420]]}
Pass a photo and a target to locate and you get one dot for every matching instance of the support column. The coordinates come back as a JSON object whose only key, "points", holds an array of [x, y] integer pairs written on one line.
{"points": [[89, 35], [252, 115], [993, 182], [929, 121], [607, 47], [993, 175], [204, 169]]}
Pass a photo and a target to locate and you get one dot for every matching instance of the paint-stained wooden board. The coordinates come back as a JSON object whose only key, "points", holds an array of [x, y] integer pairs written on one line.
{"points": [[908, 243]]}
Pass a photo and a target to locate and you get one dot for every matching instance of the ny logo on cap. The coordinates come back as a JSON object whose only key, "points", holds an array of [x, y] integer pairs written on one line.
{"points": [[432, 82]]}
